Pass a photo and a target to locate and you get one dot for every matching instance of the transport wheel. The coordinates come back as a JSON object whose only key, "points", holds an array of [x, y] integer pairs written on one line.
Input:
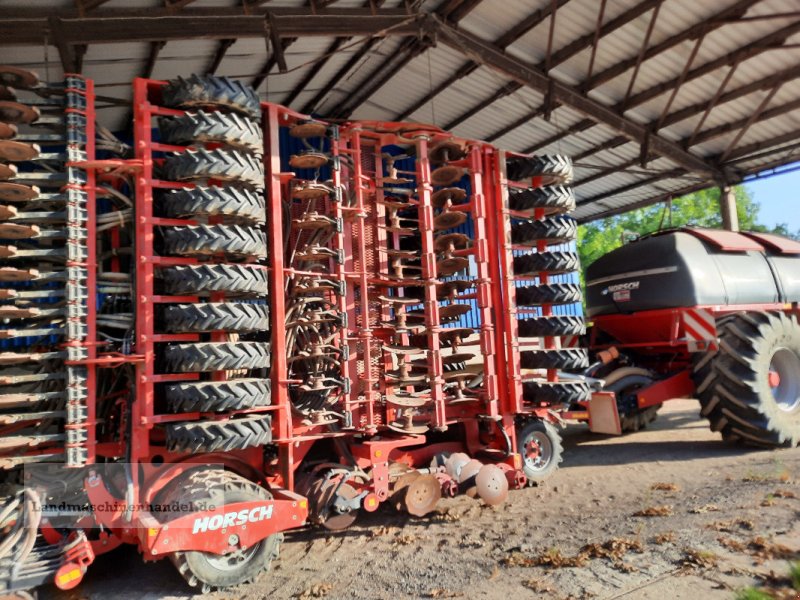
{"points": [[754, 397], [555, 199], [553, 293], [566, 359], [540, 446], [223, 436], [215, 201], [551, 326], [215, 316], [231, 166], [625, 382], [200, 240], [231, 130], [206, 279], [206, 571], [546, 262], [215, 356], [553, 168], [218, 396], [553, 230], [198, 91], [561, 392]]}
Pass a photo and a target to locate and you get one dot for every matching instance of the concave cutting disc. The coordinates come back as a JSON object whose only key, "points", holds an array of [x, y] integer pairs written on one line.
{"points": [[451, 265], [15, 112], [18, 78], [18, 151], [7, 93], [492, 485], [446, 175], [310, 190], [308, 160], [422, 495], [454, 195], [7, 171], [445, 152], [7, 131], [16, 192], [448, 220], [308, 129], [458, 241], [454, 286], [453, 310]]}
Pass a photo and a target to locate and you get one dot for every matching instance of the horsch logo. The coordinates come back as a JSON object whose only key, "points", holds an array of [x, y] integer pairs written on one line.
{"points": [[232, 519]]}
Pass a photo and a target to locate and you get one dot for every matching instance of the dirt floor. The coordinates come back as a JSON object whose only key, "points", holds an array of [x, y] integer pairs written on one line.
{"points": [[723, 519]]}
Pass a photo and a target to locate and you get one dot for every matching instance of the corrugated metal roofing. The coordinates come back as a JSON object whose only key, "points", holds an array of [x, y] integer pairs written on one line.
{"points": [[768, 140]]}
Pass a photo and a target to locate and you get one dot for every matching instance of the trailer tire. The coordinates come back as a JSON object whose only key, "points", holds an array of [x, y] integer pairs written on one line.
{"points": [[207, 91], [554, 326], [554, 199], [623, 382], [215, 356], [203, 240], [552, 230], [755, 349], [218, 396], [540, 445], [553, 293], [207, 279], [561, 392], [553, 168], [215, 316], [231, 130], [198, 437], [546, 262], [206, 571], [215, 201], [231, 166], [565, 359]]}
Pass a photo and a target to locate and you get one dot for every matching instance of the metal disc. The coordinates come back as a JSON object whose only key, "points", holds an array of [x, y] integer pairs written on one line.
{"points": [[15, 112], [16, 192], [448, 220], [455, 462], [399, 300], [402, 427], [18, 151], [396, 203], [459, 241], [451, 265], [454, 195], [446, 151], [308, 160], [469, 470], [456, 333], [7, 131], [408, 254], [7, 171], [458, 357], [310, 190], [8, 274], [308, 129], [453, 310], [455, 286], [16, 231], [446, 175], [406, 401], [338, 521], [404, 378], [422, 495], [402, 350], [7, 93], [492, 485], [458, 376], [18, 78]]}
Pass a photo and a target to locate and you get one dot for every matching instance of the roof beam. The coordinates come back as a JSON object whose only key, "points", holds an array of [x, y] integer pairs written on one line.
{"points": [[530, 76], [152, 58], [313, 69], [216, 61], [753, 118], [632, 186], [695, 187], [271, 62]]}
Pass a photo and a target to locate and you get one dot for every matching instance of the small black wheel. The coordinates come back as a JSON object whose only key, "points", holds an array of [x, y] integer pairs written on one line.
{"points": [[625, 382], [541, 449]]}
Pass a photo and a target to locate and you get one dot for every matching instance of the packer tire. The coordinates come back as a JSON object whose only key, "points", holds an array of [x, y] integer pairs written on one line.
{"points": [[202, 127], [571, 360], [206, 279], [218, 396], [215, 316], [207, 91], [553, 168], [546, 262], [203, 240], [553, 230], [554, 199], [561, 392], [539, 443], [230, 166], [551, 326], [198, 437], [215, 201], [553, 293], [215, 356]]}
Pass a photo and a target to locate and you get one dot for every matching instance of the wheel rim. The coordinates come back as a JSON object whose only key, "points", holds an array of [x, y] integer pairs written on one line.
{"points": [[538, 451], [784, 379], [232, 560]]}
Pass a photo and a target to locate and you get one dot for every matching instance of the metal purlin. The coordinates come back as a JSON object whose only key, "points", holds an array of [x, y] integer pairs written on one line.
{"points": [[81, 274]]}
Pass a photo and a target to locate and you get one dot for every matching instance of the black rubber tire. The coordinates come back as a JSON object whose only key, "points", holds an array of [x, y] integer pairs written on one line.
{"points": [[553, 230], [231, 166], [551, 326], [202, 488], [632, 419], [240, 280], [571, 360], [231, 130], [198, 437], [215, 201], [562, 392], [218, 396], [546, 262], [553, 293], [554, 168], [207, 91], [215, 356], [543, 433], [739, 402], [554, 199], [215, 316], [202, 240]]}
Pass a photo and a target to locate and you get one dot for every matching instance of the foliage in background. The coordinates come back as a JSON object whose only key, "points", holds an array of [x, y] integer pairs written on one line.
{"points": [[699, 209]]}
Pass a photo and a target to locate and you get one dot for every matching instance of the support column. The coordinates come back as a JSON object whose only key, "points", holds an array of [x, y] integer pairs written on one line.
{"points": [[727, 206]]}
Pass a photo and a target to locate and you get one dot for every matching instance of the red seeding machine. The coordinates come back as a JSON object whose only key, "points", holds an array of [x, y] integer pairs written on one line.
{"points": [[210, 338]]}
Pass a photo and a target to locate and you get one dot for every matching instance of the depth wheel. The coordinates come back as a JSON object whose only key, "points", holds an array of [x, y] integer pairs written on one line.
{"points": [[565, 359], [553, 293], [206, 91], [243, 280], [552, 168], [541, 449], [546, 262], [215, 356], [206, 571], [554, 199], [216, 127], [202, 240], [625, 382], [552, 230]]}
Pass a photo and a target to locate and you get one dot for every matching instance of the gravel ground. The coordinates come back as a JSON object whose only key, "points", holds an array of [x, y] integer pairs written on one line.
{"points": [[722, 519]]}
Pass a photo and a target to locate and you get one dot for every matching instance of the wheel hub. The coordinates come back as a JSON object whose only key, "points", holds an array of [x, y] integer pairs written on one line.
{"points": [[231, 560], [784, 379], [538, 451]]}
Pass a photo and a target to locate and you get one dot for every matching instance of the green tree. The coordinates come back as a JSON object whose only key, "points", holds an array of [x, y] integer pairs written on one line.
{"points": [[700, 209]]}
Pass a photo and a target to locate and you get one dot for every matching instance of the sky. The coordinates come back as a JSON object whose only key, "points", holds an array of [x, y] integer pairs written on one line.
{"points": [[779, 197]]}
